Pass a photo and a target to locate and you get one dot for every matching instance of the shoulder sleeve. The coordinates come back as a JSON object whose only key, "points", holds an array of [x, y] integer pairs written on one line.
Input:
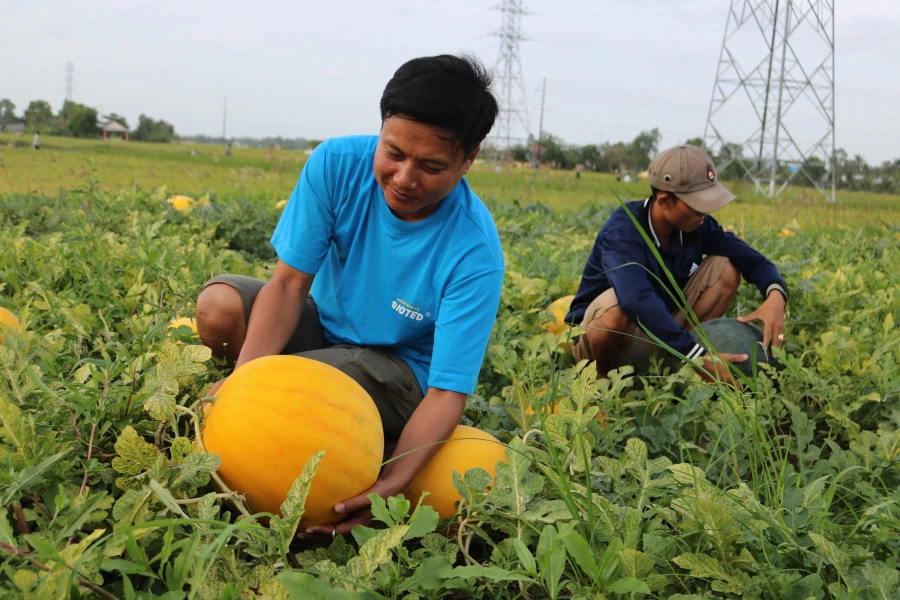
{"points": [[623, 262], [462, 330], [755, 268], [303, 235]]}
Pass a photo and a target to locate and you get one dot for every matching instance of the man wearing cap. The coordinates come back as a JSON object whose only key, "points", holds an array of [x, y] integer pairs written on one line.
{"points": [[624, 292]]}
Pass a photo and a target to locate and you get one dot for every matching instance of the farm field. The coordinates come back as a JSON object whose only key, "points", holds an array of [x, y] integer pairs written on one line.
{"points": [[789, 488], [270, 175]]}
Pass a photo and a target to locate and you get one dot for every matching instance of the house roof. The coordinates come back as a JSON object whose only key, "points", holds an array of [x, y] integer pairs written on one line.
{"points": [[114, 127]]}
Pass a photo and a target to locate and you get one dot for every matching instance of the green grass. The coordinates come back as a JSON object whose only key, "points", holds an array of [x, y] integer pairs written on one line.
{"points": [[64, 163], [270, 175]]}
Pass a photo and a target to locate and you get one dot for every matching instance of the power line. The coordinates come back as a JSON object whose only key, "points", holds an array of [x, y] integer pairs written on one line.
{"points": [[17, 7], [82, 25]]}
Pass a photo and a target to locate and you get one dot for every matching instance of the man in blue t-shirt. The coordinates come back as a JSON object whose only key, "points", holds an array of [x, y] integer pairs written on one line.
{"points": [[390, 267]]}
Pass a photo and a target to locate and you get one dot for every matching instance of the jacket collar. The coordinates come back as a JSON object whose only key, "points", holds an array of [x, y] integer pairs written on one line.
{"points": [[646, 214]]}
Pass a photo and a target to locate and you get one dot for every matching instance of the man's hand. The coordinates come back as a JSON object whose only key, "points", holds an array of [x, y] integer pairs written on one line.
{"points": [[718, 370], [357, 511], [433, 421], [771, 313]]}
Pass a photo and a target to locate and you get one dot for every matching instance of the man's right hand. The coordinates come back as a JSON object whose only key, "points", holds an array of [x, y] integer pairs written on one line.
{"points": [[716, 368]]}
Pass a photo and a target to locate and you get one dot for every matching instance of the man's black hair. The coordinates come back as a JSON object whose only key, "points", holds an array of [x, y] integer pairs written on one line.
{"points": [[453, 92]]}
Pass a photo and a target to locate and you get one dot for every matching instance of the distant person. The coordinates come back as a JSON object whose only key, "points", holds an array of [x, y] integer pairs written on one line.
{"points": [[402, 258], [36, 142], [623, 285], [193, 153], [228, 149], [627, 178]]}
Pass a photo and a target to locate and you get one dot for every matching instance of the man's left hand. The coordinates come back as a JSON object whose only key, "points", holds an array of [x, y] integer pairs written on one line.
{"points": [[771, 313], [356, 511]]}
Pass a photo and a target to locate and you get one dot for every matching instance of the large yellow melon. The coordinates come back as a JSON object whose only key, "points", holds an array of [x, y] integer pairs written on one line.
{"points": [[466, 449], [8, 320], [273, 413], [558, 310], [182, 204]]}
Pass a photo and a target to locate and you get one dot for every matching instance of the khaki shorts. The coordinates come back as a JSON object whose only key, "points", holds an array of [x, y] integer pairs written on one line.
{"points": [[385, 376], [639, 344]]}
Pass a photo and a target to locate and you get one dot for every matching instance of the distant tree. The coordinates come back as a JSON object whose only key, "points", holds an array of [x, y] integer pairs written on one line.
{"points": [[519, 152], [148, 130], [590, 157], [860, 173], [311, 145], [640, 149], [38, 115], [555, 151], [731, 153], [696, 142], [117, 118], [812, 173], [614, 156], [7, 111], [839, 164], [81, 121]]}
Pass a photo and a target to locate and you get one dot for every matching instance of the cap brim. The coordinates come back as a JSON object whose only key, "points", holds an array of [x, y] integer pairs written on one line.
{"points": [[709, 200]]}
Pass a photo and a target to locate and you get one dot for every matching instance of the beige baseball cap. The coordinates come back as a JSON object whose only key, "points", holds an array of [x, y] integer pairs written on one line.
{"points": [[689, 173]]}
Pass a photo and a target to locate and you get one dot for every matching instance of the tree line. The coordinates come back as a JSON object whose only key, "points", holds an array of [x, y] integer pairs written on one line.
{"points": [[81, 121], [633, 157], [252, 142]]}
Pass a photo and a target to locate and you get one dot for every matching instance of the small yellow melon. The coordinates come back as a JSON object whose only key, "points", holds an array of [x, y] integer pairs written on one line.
{"points": [[8, 320], [182, 204], [466, 449], [558, 310], [174, 324]]}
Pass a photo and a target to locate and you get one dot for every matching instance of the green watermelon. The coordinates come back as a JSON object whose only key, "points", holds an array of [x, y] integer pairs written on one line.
{"points": [[730, 336]]}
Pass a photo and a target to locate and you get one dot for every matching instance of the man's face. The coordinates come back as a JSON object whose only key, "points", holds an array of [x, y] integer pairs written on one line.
{"points": [[417, 165], [683, 217]]}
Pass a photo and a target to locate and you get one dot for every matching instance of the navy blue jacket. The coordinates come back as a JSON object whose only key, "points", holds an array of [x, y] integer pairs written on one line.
{"points": [[643, 297]]}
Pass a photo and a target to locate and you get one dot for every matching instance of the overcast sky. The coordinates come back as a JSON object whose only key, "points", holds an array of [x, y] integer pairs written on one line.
{"points": [[317, 69]]}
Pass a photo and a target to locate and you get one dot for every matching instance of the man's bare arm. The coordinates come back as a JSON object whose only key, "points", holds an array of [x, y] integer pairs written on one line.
{"points": [[275, 313]]}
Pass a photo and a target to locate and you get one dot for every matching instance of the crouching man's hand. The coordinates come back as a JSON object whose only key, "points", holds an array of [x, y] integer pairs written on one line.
{"points": [[716, 368], [771, 313]]}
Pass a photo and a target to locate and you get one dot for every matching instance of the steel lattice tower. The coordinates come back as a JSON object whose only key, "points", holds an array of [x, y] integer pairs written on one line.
{"points": [[772, 107], [510, 82], [70, 80]]}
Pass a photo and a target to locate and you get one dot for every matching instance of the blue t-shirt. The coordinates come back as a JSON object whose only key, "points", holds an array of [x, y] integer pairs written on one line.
{"points": [[429, 290]]}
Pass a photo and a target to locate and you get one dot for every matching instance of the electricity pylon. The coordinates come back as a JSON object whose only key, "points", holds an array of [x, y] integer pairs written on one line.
{"points": [[70, 80], [512, 124], [772, 107]]}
